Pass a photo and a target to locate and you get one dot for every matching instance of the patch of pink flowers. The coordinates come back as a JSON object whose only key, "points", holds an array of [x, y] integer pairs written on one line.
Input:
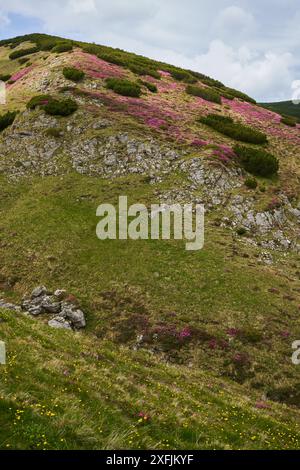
{"points": [[185, 333], [233, 332], [95, 67], [22, 73], [285, 334], [165, 74], [199, 143], [263, 119], [261, 405], [224, 154], [156, 123]]}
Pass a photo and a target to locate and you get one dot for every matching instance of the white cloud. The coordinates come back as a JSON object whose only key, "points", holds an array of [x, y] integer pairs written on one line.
{"points": [[264, 76], [4, 20], [82, 6], [247, 44], [233, 21]]}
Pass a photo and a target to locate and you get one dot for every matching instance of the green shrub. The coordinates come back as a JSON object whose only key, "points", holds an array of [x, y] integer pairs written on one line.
{"points": [[124, 87], [206, 93], [112, 59], [5, 78], [48, 45], [241, 231], [182, 76], [61, 107], [53, 132], [251, 183], [212, 82], [23, 60], [237, 131], [190, 80], [7, 119], [22, 52], [238, 94], [73, 74], [151, 87], [225, 94], [144, 70], [40, 100], [62, 47], [53, 106], [257, 161], [289, 121]]}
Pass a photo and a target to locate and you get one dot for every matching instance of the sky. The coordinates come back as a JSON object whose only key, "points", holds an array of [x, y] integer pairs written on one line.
{"points": [[251, 45]]}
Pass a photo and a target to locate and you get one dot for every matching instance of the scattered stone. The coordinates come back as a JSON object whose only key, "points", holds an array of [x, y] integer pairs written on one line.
{"points": [[59, 323], [9, 306], [67, 313]]}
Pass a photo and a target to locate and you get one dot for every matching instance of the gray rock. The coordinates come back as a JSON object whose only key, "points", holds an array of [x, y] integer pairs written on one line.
{"points": [[35, 311], [75, 316], [9, 306], [59, 323], [50, 306], [38, 291]]}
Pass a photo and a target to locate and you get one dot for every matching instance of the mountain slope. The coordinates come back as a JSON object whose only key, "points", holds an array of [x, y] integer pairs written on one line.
{"points": [[209, 332]]}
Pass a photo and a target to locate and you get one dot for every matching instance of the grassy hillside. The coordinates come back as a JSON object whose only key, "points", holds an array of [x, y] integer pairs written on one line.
{"points": [[64, 392], [182, 349]]}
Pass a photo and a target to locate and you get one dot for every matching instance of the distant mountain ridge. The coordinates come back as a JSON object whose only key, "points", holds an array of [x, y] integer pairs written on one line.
{"points": [[287, 108]]}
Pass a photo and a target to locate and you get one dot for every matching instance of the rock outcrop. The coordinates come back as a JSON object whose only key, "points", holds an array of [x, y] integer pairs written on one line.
{"points": [[64, 312]]}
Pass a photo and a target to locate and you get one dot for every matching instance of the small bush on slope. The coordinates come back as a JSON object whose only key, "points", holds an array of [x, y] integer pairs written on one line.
{"points": [[206, 93], [257, 161], [62, 47], [23, 60], [40, 100], [124, 87], [237, 131], [7, 119], [183, 76], [5, 78], [48, 45], [53, 106], [289, 121], [150, 86], [73, 74], [61, 108], [22, 52], [251, 183], [53, 132], [144, 70]]}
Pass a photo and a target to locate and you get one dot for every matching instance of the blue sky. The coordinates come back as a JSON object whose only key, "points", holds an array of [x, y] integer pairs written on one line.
{"points": [[252, 45]]}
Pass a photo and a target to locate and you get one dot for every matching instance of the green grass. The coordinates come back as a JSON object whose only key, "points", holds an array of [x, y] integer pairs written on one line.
{"points": [[120, 283], [65, 391]]}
